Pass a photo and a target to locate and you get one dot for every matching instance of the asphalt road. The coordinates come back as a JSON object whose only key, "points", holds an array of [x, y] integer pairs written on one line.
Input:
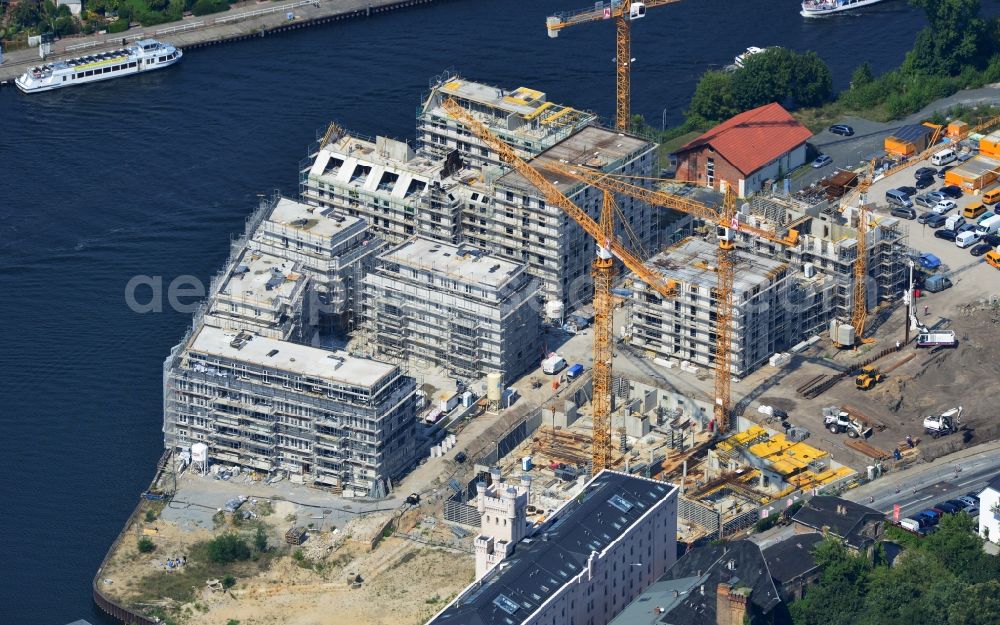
{"points": [[869, 136]]}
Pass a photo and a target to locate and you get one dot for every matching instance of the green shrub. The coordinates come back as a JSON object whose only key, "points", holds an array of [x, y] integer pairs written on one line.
{"points": [[228, 582], [145, 545], [118, 26], [228, 548], [205, 7]]}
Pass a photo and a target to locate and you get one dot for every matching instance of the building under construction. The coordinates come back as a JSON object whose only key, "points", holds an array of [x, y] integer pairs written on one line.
{"points": [[684, 328], [520, 225], [399, 192], [333, 249], [456, 307], [325, 418], [524, 118]]}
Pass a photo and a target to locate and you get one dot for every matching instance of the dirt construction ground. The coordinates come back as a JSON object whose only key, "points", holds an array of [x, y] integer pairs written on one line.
{"points": [[336, 576]]}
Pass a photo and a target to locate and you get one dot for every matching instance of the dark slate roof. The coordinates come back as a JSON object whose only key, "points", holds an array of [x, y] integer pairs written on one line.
{"points": [[687, 592], [609, 505], [912, 132], [821, 511], [792, 557]]}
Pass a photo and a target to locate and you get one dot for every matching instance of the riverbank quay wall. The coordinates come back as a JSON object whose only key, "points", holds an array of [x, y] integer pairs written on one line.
{"points": [[108, 605], [193, 33]]}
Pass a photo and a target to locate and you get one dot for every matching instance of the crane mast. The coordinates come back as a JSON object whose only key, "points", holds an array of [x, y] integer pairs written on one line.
{"points": [[608, 246]]}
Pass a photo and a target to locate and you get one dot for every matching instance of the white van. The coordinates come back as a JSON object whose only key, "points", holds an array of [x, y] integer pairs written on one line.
{"points": [[944, 157], [953, 222], [967, 238], [990, 226], [911, 524]]}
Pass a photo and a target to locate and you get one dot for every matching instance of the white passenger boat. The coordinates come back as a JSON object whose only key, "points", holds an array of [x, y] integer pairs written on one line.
{"points": [[820, 8], [141, 56], [743, 56]]}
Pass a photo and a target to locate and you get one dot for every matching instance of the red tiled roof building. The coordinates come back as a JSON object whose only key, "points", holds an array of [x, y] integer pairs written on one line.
{"points": [[761, 144]]}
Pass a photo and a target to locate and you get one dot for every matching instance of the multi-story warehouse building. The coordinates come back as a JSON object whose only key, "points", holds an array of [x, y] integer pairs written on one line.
{"points": [[333, 249], [516, 222], [589, 559], [398, 192], [684, 328], [524, 118], [326, 418], [455, 307], [260, 293]]}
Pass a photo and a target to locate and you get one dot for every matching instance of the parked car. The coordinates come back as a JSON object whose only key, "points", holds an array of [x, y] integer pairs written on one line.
{"points": [[965, 227], [964, 156], [984, 217], [925, 181], [822, 160], [945, 233], [936, 220], [945, 508], [923, 172], [952, 191], [904, 212], [980, 248], [842, 129], [925, 201], [937, 196], [944, 206], [958, 503], [941, 172], [909, 191], [974, 496], [929, 261], [969, 500]]}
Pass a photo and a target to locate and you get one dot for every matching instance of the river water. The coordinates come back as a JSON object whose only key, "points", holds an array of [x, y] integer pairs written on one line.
{"points": [[150, 175]]}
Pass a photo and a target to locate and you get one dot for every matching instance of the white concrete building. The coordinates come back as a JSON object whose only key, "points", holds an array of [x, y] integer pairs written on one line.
{"points": [[325, 417], [582, 566], [399, 192], [333, 249], [453, 306], [260, 293], [989, 511], [503, 522]]}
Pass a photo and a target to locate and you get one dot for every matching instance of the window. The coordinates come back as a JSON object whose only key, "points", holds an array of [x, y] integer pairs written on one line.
{"points": [[710, 171]]}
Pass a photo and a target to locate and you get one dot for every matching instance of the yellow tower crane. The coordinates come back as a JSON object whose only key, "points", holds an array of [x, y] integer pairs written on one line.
{"points": [[608, 246], [728, 225], [623, 12]]}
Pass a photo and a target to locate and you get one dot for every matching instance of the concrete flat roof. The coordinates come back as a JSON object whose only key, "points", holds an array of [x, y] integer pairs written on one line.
{"points": [[399, 157], [293, 357], [693, 261], [259, 276], [463, 263], [314, 220], [591, 147]]}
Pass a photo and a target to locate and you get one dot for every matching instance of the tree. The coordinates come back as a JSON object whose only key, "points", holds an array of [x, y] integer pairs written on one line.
{"points": [[713, 99], [955, 37], [862, 76], [145, 545], [979, 606], [838, 598], [228, 548], [812, 82], [764, 78]]}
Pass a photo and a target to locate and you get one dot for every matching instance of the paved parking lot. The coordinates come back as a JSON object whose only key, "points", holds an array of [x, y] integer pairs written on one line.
{"points": [[963, 267]]}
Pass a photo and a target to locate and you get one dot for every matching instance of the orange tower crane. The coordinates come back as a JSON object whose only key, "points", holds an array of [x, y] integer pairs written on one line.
{"points": [[728, 224], [623, 12], [608, 246]]}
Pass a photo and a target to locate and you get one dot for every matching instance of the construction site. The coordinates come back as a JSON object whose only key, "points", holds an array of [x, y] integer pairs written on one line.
{"points": [[523, 305]]}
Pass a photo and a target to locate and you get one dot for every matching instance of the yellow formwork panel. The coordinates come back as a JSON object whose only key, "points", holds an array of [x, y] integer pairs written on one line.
{"points": [[538, 111], [452, 86], [552, 118]]}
